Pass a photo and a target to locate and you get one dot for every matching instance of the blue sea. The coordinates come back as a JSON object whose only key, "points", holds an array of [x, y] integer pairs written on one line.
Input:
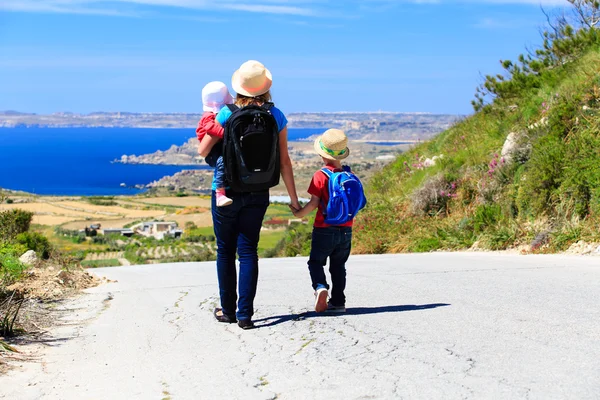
{"points": [[78, 161]]}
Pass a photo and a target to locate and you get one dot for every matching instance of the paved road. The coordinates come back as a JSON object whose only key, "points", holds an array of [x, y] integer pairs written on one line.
{"points": [[432, 326]]}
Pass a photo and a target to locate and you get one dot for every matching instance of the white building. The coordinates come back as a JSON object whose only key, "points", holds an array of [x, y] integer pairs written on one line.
{"points": [[157, 229]]}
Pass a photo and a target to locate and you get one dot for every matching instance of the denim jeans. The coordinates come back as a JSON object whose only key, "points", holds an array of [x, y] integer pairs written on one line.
{"points": [[334, 243], [237, 229], [219, 179]]}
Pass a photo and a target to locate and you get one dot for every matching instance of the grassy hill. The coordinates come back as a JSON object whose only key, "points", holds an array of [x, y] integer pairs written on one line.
{"points": [[524, 170]]}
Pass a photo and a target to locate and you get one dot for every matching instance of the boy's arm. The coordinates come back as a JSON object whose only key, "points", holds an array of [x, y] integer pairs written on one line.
{"points": [[312, 205], [206, 145]]}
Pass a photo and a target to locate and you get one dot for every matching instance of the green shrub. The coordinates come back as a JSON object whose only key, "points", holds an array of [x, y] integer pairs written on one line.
{"points": [[134, 258], [485, 216], [102, 200], [100, 263], [11, 269], [12, 249], [14, 222], [36, 242]]}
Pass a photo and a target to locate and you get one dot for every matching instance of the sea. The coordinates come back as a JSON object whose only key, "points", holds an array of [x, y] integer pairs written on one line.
{"points": [[79, 161]]}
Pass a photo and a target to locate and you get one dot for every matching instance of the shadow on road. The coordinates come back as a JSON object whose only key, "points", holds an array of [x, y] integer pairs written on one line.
{"points": [[280, 319]]}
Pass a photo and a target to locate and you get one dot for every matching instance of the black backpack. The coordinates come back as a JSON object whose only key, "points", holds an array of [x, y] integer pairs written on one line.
{"points": [[251, 148]]}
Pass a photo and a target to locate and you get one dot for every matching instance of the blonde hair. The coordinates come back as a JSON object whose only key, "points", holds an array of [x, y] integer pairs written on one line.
{"points": [[243, 101]]}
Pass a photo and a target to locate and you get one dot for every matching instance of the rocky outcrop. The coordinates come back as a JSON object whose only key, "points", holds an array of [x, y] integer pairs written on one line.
{"points": [[186, 154]]}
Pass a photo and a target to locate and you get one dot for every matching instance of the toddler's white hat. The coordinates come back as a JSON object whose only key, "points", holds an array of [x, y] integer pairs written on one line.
{"points": [[214, 96]]}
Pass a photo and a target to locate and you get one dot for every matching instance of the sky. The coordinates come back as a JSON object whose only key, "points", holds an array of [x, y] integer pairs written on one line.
{"points": [[325, 55]]}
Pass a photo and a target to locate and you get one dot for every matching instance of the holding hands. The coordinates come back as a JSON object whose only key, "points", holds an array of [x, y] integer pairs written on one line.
{"points": [[300, 212]]}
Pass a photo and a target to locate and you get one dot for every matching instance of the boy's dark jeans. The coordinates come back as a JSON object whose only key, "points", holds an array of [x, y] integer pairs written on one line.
{"points": [[237, 229], [334, 242]]}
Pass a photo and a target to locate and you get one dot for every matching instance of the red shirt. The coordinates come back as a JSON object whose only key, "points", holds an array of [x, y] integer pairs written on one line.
{"points": [[207, 124], [319, 186]]}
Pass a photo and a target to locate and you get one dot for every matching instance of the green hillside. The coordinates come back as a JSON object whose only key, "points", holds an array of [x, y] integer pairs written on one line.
{"points": [[524, 170]]}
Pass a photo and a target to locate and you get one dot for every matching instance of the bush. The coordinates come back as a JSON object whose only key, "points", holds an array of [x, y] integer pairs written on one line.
{"points": [[100, 263], [14, 222], [433, 197], [12, 249], [36, 242], [11, 269], [102, 201]]}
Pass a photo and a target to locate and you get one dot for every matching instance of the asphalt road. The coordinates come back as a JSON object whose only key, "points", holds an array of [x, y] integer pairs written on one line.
{"points": [[430, 326]]}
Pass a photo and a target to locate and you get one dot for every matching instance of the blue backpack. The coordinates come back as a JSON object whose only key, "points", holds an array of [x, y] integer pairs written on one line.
{"points": [[346, 196]]}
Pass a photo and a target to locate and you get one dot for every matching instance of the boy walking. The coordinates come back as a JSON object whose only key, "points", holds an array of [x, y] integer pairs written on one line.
{"points": [[332, 232]]}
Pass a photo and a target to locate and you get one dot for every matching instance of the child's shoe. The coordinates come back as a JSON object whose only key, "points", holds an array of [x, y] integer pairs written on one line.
{"points": [[222, 199], [335, 309], [321, 300]]}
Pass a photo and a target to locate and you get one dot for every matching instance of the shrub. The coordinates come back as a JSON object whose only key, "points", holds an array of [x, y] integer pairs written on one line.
{"points": [[14, 222], [36, 242], [100, 263], [102, 201], [433, 197], [12, 249], [11, 269]]}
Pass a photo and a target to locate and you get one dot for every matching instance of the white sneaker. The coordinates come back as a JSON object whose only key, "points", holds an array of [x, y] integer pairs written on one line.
{"points": [[321, 299], [223, 201]]}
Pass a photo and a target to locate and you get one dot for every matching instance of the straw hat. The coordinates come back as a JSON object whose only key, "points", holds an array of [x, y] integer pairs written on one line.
{"points": [[332, 145], [252, 79]]}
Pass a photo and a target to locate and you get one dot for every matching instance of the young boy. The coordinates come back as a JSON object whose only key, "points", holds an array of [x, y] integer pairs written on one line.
{"points": [[328, 241], [214, 97]]}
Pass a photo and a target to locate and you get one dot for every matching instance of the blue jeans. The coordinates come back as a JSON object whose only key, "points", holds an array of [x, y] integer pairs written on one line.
{"points": [[215, 159], [334, 243], [237, 229]]}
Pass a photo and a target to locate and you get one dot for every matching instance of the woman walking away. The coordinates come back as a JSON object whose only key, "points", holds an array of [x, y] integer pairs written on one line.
{"points": [[255, 152]]}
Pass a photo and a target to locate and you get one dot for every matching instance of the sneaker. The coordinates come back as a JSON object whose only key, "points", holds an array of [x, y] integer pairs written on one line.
{"points": [[335, 309], [321, 300], [223, 201]]}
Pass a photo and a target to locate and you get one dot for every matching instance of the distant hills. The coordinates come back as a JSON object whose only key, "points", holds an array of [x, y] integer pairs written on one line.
{"points": [[358, 126]]}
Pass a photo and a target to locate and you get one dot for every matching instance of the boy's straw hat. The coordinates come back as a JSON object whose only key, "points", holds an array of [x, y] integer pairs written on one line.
{"points": [[252, 79], [332, 145], [214, 96]]}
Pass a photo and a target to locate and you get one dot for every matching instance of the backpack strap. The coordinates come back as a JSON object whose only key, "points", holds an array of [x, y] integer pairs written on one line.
{"points": [[346, 168], [232, 107], [327, 172], [267, 106]]}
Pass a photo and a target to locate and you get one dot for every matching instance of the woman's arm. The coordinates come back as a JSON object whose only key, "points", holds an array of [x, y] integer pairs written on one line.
{"points": [[287, 172], [206, 144]]}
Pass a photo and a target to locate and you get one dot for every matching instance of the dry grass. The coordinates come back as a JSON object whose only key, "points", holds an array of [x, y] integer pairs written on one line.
{"points": [[77, 214], [201, 220], [43, 208], [52, 220], [108, 223], [190, 201]]}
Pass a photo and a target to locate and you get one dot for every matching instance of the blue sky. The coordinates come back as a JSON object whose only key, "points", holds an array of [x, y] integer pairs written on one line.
{"points": [[325, 55]]}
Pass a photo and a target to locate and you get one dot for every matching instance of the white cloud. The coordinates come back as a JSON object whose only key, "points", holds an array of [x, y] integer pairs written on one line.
{"points": [[115, 7], [301, 8]]}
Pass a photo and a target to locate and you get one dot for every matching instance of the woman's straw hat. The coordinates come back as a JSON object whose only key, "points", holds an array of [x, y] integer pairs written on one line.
{"points": [[252, 79], [332, 145]]}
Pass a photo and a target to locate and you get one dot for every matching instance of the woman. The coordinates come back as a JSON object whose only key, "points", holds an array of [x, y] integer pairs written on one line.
{"points": [[237, 227]]}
